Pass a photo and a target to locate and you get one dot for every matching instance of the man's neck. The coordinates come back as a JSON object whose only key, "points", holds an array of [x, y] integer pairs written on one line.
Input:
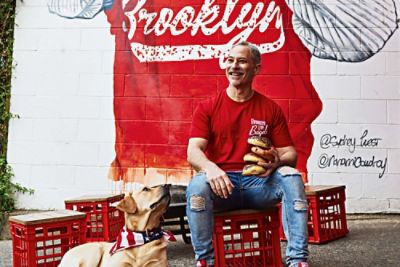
{"points": [[239, 94]]}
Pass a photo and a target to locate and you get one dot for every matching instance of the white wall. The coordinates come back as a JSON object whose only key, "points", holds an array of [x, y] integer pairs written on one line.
{"points": [[359, 97], [63, 142]]}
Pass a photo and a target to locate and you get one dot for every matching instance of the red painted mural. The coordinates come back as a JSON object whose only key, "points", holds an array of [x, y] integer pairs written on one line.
{"points": [[154, 97], [170, 54]]}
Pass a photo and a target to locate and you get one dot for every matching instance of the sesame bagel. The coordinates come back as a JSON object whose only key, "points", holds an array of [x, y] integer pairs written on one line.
{"points": [[253, 169], [260, 141]]}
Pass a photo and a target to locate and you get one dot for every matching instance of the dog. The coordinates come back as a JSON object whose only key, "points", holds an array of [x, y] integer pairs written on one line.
{"points": [[143, 212]]}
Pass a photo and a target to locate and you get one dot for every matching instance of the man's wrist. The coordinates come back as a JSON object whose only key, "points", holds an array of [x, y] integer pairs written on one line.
{"points": [[209, 165]]}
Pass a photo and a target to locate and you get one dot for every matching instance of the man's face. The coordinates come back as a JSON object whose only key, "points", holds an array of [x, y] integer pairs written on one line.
{"points": [[241, 68]]}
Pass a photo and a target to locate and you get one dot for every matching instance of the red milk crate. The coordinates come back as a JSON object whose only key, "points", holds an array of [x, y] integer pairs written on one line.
{"points": [[41, 239], [326, 213], [104, 220], [247, 238]]}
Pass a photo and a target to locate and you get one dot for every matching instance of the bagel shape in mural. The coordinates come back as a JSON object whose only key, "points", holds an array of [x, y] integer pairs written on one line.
{"points": [[344, 30]]}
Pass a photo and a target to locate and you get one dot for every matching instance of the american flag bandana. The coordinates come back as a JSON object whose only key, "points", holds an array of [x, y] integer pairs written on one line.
{"points": [[201, 263], [128, 239]]}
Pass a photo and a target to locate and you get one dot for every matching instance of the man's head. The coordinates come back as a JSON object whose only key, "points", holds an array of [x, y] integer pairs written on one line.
{"points": [[243, 64], [255, 52]]}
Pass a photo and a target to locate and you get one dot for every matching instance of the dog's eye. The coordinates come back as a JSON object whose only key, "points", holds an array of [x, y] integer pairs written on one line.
{"points": [[146, 189]]}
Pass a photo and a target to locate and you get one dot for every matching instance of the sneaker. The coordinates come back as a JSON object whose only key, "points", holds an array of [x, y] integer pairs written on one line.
{"points": [[299, 264], [202, 263]]}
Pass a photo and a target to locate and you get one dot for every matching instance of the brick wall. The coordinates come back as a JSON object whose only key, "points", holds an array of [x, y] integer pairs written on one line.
{"points": [[358, 97], [64, 90]]}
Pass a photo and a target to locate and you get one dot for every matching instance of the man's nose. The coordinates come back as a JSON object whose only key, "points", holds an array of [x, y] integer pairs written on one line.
{"points": [[235, 63]]}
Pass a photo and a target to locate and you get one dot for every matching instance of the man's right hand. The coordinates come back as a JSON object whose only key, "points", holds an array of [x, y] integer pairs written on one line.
{"points": [[216, 177], [220, 184]]}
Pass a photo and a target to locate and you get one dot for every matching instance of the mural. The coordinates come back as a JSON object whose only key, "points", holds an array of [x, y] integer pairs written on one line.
{"points": [[170, 54]]}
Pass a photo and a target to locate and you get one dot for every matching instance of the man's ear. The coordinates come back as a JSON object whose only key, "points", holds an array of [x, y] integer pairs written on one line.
{"points": [[128, 204], [257, 69]]}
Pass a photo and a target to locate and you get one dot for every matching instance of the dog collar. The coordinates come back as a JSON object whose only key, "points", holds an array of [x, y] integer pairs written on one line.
{"points": [[127, 238]]}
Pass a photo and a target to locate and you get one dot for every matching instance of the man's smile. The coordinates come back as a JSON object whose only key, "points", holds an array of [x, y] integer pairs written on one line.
{"points": [[235, 73]]}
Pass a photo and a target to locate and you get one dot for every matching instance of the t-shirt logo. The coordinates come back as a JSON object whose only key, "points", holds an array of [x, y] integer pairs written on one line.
{"points": [[258, 127]]}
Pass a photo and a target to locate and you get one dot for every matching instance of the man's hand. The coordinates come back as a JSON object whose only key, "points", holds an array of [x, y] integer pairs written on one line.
{"points": [[220, 184], [271, 165], [283, 156], [217, 178]]}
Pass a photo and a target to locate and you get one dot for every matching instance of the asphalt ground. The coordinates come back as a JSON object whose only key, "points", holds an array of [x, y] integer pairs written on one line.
{"points": [[373, 240]]}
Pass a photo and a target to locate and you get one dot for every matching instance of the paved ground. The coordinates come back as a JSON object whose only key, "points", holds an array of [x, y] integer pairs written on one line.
{"points": [[374, 240]]}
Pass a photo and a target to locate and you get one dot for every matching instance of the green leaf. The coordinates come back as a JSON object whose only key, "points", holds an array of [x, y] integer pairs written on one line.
{"points": [[8, 189]]}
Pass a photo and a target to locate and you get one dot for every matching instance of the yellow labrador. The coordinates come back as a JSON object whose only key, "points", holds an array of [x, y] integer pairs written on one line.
{"points": [[143, 211]]}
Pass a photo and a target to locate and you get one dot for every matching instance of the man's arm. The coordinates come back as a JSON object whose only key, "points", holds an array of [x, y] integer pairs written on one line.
{"points": [[287, 156], [217, 178], [284, 156]]}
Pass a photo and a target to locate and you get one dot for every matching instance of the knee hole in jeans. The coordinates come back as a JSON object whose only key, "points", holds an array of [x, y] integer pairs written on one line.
{"points": [[286, 170], [300, 205], [197, 203]]}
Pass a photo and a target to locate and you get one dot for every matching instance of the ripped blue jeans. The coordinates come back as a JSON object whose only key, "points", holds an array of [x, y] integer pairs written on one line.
{"points": [[285, 185]]}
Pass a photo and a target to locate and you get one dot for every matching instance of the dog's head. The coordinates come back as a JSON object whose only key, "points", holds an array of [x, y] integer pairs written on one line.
{"points": [[145, 207]]}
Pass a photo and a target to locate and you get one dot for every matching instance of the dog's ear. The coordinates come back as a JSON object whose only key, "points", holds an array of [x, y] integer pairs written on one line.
{"points": [[128, 204]]}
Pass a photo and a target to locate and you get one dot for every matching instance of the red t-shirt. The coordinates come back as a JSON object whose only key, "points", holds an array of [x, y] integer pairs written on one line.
{"points": [[227, 125]]}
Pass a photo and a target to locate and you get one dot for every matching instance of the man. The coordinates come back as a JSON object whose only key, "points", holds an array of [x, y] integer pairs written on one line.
{"points": [[217, 144]]}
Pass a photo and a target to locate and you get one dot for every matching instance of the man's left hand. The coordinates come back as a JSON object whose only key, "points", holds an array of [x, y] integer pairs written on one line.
{"points": [[271, 165]]}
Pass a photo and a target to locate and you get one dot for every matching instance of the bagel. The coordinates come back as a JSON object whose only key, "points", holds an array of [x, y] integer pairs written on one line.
{"points": [[251, 157], [260, 141], [267, 155], [253, 169]]}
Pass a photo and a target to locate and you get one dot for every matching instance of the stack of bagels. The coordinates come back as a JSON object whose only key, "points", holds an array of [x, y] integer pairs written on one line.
{"points": [[253, 168]]}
